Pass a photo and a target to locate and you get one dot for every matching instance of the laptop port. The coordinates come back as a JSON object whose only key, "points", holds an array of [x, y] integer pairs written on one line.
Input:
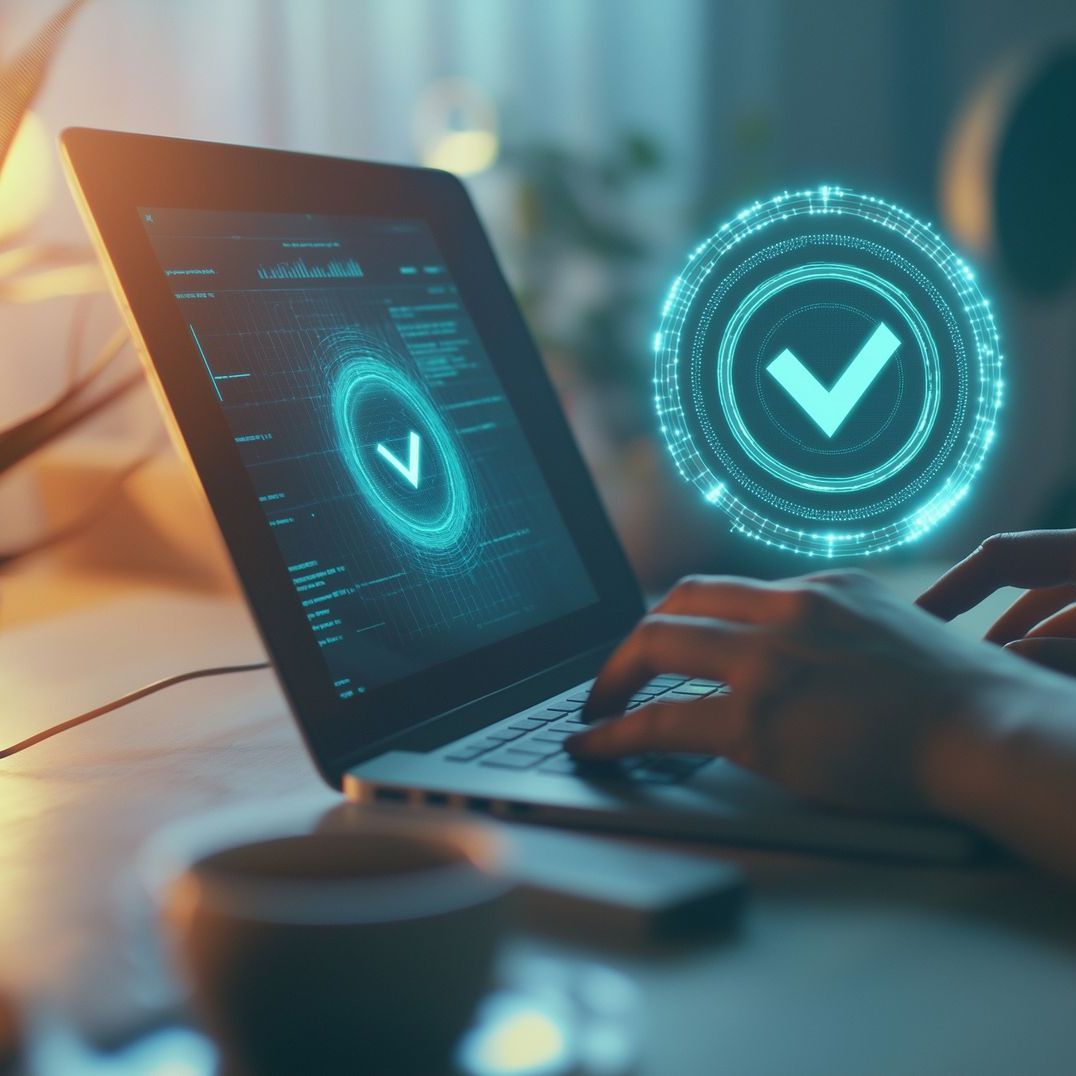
{"points": [[437, 799], [478, 803], [519, 808], [391, 795]]}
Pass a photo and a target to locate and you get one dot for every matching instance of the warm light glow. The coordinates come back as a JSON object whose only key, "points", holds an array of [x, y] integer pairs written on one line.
{"points": [[463, 152], [30, 272], [968, 160], [525, 1041], [26, 181], [456, 127], [50, 283]]}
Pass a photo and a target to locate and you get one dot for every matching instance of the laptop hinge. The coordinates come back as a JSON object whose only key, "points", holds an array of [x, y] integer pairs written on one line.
{"points": [[473, 715]]}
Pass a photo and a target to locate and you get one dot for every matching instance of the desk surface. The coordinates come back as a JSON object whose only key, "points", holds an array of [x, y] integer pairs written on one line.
{"points": [[839, 966]]}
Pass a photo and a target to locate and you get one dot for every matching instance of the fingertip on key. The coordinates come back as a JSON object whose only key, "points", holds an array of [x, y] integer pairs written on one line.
{"points": [[581, 743], [577, 743]]}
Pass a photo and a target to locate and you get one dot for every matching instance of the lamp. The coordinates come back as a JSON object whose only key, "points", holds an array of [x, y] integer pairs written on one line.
{"points": [[455, 127]]}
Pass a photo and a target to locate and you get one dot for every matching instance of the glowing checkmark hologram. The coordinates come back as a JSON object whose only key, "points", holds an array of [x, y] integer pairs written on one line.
{"points": [[828, 408], [410, 471], [874, 444]]}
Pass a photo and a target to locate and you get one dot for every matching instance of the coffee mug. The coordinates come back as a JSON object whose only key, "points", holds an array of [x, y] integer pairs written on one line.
{"points": [[361, 948]]}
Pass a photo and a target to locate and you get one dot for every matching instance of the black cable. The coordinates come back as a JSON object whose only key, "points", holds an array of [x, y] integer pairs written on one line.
{"points": [[123, 700]]}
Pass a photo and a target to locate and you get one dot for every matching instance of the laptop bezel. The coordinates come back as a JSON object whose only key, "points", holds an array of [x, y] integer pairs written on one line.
{"points": [[113, 174]]}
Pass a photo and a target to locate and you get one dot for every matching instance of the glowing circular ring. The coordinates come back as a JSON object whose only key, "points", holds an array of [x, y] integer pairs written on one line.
{"points": [[947, 479], [445, 530], [840, 240], [774, 285]]}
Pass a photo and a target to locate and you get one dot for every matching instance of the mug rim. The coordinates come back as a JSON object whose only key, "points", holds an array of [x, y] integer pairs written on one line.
{"points": [[173, 862], [425, 893]]}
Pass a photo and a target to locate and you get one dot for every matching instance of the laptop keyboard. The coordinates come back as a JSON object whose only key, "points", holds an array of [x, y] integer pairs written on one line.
{"points": [[535, 740]]}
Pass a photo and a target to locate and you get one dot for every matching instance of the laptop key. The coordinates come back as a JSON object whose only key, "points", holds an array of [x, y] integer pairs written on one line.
{"points": [[698, 690], [550, 736], [508, 759], [533, 746], [565, 707], [503, 735], [526, 724], [490, 744], [545, 716], [658, 690], [465, 754], [570, 726], [562, 764]]}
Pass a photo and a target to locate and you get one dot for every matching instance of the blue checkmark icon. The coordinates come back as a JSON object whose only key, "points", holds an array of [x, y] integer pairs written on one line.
{"points": [[408, 471], [829, 408]]}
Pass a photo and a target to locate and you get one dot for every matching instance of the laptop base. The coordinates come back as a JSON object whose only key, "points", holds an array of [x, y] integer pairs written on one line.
{"points": [[720, 803]]}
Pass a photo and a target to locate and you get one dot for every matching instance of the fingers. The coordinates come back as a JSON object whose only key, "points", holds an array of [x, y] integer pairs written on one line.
{"points": [[843, 578], [1028, 610], [1061, 625], [1026, 559], [1057, 654], [687, 646], [751, 601], [702, 726], [746, 601], [709, 626]]}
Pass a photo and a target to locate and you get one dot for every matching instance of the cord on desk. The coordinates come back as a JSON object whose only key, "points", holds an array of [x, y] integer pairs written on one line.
{"points": [[124, 700]]}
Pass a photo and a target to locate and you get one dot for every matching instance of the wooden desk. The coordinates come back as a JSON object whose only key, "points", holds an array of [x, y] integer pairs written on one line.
{"points": [[840, 967]]}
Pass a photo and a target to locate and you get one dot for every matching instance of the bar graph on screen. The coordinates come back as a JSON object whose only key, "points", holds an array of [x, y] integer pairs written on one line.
{"points": [[336, 269]]}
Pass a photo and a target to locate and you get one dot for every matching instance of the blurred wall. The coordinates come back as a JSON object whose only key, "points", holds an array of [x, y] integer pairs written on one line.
{"points": [[744, 96]]}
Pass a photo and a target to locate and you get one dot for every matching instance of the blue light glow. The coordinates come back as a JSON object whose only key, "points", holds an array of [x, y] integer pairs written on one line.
{"points": [[376, 406], [872, 462]]}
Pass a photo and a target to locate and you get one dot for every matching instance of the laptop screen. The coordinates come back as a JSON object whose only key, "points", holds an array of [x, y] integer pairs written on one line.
{"points": [[403, 497]]}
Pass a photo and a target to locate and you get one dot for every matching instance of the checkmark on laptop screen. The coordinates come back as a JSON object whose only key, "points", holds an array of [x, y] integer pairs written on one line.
{"points": [[414, 519]]}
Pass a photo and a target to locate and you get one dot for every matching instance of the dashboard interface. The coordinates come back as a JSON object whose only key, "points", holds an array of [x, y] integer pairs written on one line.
{"points": [[403, 497]]}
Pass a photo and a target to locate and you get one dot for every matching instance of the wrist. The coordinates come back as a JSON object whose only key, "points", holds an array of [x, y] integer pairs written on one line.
{"points": [[963, 763]]}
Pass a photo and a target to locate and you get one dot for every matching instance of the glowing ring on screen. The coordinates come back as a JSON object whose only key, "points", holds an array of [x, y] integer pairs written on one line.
{"points": [[446, 533]]}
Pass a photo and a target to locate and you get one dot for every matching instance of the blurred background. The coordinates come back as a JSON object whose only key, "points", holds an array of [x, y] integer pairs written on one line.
{"points": [[601, 139]]}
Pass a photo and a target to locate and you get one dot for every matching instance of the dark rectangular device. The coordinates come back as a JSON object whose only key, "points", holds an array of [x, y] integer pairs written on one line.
{"points": [[423, 550]]}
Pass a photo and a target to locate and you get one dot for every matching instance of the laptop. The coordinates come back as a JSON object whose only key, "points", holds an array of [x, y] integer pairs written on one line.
{"points": [[424, 553]]}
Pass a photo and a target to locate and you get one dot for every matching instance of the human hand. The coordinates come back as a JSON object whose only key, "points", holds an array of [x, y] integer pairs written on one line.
{"points": [[1041, 624], [840, 691]]}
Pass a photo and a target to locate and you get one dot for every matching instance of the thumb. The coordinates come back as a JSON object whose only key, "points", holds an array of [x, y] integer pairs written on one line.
{"points": [[1056, 654]]}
